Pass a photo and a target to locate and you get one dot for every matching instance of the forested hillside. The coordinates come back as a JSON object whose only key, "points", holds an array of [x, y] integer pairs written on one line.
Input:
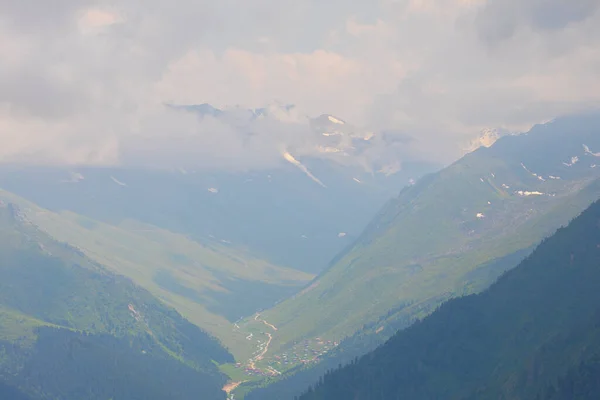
{"points": [[210, 285], [70, 365], [70, 329], [582, 382], [533, 333]]}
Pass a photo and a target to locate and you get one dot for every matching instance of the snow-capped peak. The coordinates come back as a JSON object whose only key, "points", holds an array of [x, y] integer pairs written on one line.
{"points": [[280, 112], [486, 138]]}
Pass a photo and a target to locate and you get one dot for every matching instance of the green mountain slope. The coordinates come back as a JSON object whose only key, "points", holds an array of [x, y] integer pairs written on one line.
{"points": [[537, 328], [211, 285], [452, 233], [69, 328]]}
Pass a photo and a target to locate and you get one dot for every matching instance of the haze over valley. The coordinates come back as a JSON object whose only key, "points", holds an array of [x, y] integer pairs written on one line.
{"points": [[299, 200]]}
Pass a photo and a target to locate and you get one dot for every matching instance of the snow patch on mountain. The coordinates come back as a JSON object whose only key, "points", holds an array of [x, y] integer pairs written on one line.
{"points": [[328, 149], [292, 160], [335, 120], [588, 151], [118, 182], [527, 193], [74, 177], [368, 136], [574, 160], [539, 177], [486, 138], [390, 169]]}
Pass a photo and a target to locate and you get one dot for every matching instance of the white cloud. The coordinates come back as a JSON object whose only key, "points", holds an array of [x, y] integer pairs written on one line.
{"points": [[94, 20], [86, 80]]}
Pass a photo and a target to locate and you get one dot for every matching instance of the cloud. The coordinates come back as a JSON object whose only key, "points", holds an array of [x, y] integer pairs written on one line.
{"points": [[499, 20], [320, 81], [87, 80]]}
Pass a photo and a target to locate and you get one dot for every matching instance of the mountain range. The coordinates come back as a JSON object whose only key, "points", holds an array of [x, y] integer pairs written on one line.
{"points": [[535, 334], [451, 234], [215, 246], [447, 234], [279, 215], [116, 276]]}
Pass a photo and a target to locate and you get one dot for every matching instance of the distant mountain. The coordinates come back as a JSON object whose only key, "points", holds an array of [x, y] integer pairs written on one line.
{"points": [[486, 138], [326, 181], [281, 215], [69, 328], [481, 244], [535, 334], [324, 137], [452, 233]]}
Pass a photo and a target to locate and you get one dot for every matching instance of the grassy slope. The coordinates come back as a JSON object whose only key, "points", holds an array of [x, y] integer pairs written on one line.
{"points": [[18, 327], [427, 244], [53, 282], [142, 252], [403, 315], [55, 301], [508, 342]]}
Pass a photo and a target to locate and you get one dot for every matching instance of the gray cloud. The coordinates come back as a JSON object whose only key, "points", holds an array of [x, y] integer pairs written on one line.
{"points": [[32, 17], [32, 93], [87, 80], [501, 19]]}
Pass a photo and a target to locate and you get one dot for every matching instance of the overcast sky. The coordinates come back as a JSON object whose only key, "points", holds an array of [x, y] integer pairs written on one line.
{"points": [[85, 81]]}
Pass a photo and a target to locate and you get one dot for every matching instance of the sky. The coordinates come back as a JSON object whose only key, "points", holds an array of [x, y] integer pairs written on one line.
{"points": [[87, 81]]}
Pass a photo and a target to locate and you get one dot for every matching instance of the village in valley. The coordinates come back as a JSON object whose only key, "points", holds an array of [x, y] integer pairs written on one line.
{"points": [[265, 364], [302, 353]]}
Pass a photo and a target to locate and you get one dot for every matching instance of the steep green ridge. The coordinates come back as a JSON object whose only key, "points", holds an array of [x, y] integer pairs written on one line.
{"points": [[211, 285], [68, 325], [442, 237], [374, 334], [537, 328]]}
